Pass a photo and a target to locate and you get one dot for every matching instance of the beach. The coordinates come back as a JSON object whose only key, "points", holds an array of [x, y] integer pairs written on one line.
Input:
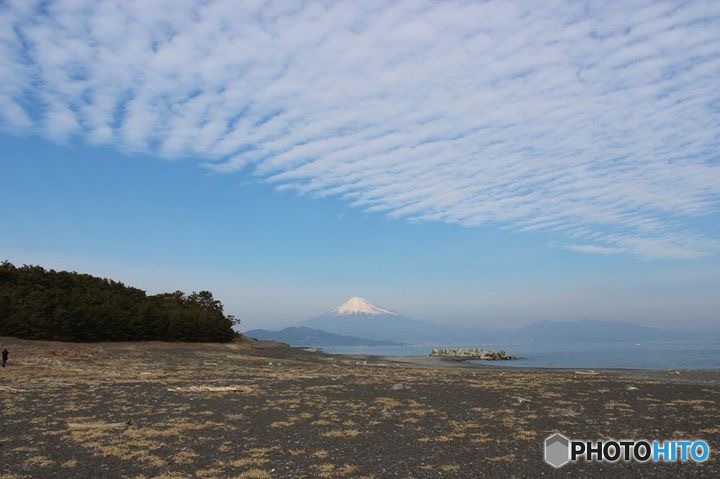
{"points": [[261, 410]]}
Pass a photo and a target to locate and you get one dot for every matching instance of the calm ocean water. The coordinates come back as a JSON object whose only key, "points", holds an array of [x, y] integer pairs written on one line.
{"points": [[651, 355]]}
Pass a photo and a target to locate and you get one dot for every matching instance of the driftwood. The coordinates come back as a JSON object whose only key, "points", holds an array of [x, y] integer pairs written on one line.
{"points": [[201, 389]]}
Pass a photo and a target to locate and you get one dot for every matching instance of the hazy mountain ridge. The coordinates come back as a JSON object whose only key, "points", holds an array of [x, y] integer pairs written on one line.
{"points": [[588, 330], [304, 336]]}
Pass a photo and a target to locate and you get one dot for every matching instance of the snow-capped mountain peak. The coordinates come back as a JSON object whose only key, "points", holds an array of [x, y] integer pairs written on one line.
{"points": [[358, 305]]}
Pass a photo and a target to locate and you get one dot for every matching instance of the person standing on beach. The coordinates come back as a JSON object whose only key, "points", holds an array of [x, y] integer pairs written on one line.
{"points": [[5, 355]]}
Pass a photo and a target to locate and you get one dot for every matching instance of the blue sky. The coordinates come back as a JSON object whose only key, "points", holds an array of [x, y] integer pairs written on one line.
{"points": [[474, 163]]}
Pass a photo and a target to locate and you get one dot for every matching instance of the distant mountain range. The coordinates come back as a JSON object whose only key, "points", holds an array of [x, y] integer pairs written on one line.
{"points": [[304, 336], [358, 322], [593, 331]]}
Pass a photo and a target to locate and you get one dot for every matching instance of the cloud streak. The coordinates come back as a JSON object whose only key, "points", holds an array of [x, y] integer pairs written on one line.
{"points": [[596, 122]]}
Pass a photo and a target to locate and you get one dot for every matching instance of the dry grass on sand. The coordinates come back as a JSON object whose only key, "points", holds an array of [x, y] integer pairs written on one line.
{"points": [[258, 410]]}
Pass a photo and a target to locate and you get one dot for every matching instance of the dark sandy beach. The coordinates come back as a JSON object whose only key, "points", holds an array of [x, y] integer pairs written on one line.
{"points": [[261, 410]]}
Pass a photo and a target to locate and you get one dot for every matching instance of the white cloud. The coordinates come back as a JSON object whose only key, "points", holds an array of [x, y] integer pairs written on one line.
{"points": [[597, 121], [594, 249]]}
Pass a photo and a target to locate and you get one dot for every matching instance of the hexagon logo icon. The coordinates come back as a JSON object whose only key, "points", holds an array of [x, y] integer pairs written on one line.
{"points": [[557, 450]]}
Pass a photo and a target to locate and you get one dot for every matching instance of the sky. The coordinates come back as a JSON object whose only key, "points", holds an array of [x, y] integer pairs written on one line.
{"points": [[486, 163]]}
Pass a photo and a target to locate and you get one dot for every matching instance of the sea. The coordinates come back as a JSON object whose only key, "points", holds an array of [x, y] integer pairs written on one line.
{"points": [[660, 355]]}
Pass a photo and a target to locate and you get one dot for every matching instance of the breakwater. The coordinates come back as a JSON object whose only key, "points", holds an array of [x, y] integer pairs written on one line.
{"points": [[465, 354]]}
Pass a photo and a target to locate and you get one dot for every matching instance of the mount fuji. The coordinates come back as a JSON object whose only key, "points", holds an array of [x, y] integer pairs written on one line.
{"points": [[359, 317]]}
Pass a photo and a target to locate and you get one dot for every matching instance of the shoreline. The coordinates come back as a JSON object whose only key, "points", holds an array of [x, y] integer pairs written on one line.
{"points": [[657, 360], [680, 376]]}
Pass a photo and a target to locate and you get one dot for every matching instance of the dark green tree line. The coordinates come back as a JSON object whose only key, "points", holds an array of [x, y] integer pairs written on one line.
{"points": [[36, 303]]}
